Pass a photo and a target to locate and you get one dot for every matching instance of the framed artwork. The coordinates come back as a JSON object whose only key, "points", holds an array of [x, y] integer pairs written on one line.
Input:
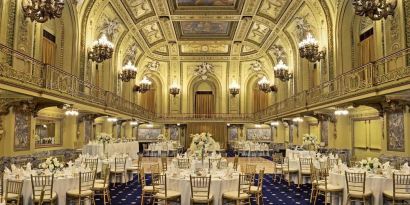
{"points": [[174, 133], [148, 134], [395, 131], [233, 133], [22, 131], [261, 134]]}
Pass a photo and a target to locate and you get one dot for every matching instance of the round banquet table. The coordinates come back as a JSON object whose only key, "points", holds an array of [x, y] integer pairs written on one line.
{"points": [[131, 148], [375, 183], [218, 187]]}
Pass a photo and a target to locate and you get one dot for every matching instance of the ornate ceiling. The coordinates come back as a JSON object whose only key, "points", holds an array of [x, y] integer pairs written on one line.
{"points": [[206, 28]]}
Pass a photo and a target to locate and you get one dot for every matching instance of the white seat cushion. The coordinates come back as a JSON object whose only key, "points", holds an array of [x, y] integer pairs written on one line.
{"points": [[233, 195], [47, 197], [170, 195], [101, 181], [254, 189], [99, 186], [358, 194], [402, 196], [148, 189], [11, 196], [75, 192], [330, 187], [202, 199]]}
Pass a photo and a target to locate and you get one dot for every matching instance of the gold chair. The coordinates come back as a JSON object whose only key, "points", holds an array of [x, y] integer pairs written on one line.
{"points": [[164, 164], [211, 162], [103, 173], [324, 188], [183, 163], [331, 163], [85, 189], [103, 189], [42, 187], [200, 190], [356, 187], [146, 191], [223, 164], [235, 163], [304, 169], [13, 192], [287, 170], [92, 163], [400, 193], [257, 190], [277, 167], [155, 169], [250, 169], [135, 169], [162, 194], [242, 195], [119, 169], [1, 186]]}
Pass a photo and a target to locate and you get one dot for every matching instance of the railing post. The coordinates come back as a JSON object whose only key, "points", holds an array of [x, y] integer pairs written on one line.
{"points": [[46, 76]]}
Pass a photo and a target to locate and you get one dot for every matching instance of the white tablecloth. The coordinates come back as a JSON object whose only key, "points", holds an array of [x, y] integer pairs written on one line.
{"points": [[131, 148], [299, 153], [218, 187], [375, 183]]}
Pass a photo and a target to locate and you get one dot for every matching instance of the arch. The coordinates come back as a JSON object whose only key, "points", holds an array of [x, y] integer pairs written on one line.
{"points": [[214, 84]]}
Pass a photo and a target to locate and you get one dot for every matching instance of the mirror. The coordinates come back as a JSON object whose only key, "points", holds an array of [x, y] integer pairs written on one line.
{"points": [[48, 132]]}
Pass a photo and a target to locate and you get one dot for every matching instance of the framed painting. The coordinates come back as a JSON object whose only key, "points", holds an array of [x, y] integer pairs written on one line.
{"points": [[148, 134], [174, 133], [22, 131], [233, 133], [260, 134], [395, 131]]}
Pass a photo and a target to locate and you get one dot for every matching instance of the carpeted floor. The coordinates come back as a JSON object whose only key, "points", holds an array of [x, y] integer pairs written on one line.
{"points": [[274, 193]]}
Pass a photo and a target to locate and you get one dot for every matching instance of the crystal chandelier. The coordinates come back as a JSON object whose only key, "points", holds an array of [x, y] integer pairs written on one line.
{"points": [[264, 85], [174, 89], [309, 49], [42, 10], [341, 112], [281, 71], [70, 110], [101, 50], [129, 71], [234, 88], [143, 86], [374, 9]]}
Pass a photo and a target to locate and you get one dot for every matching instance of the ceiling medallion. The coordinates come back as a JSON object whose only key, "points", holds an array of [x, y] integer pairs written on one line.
{"points": [[42, 10], [203, 69], [264, 85], [374, 9], [281, 71], [101, 50], [143, 86], [309, 49], [129, 71]]}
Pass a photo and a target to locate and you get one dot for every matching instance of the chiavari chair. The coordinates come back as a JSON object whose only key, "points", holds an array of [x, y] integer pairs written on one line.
{"points": [[223, 164], [135, 169], [211, 162], [305, 168], [146, 191], [277, 167], [42, 187], [164, 164], [102, 189], [332, 163], [236, 162], [119, 169], [257, 190], [13, 192], [184, 163], [356, 187], [325, 188], [241, 196], [155, 169], [250, 169], [400, 193], [84, 191], [200, 190], [161, 192], [289, 171], [103, 173], [92, 164]]}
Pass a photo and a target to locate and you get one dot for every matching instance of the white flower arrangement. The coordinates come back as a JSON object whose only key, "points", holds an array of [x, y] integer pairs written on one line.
{"points": [[201, 141], [51, 164], [104, 138], [370, 164], [162, 137], [309, 140]]}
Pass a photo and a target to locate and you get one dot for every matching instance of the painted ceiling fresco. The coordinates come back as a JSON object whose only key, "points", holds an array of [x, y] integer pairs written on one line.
{"points": [[204, 27], [205, 2]]}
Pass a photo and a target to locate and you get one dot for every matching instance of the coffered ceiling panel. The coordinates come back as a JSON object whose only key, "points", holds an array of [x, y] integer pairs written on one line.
{"points": [[273, 9], [205, 30], [152, 34], [211, 48], [138, 9], [202, 6], [258, 33]]}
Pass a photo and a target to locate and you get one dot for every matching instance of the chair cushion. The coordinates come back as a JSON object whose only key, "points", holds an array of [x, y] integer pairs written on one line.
{"points": [[11, 196], [100, 186], [330, 187], [318, 182], [233, 195], [148, 189], [305, 172], [291, 170], [358, 194], [401, 196], [47, 197], [133, 168], [254, 189], [117, 171], [170, 195], [202, 199], [100, 181], [75, 192]]}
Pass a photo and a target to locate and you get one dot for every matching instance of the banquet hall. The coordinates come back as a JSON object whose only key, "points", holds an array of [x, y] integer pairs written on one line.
{"points": [[216, 102]]}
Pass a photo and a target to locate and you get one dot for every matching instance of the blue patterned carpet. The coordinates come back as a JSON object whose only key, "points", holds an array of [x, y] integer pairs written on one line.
{"points": [[274, 193]]}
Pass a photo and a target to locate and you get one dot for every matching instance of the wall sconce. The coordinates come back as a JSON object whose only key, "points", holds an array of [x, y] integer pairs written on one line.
{"points": [[129, 71], [309, 49], [174, 89], [144, 85], [265, 86], [234, 88]]}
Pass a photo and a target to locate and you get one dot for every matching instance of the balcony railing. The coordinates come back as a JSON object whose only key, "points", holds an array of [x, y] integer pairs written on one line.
{"points": [[391, 70], [216, 117]]}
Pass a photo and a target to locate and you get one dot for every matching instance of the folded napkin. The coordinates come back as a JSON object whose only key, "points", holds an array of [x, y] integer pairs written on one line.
{"points": [[13, 168], [386, 165], [28, 166], [405, 168], [7, 170], [70, 163]]}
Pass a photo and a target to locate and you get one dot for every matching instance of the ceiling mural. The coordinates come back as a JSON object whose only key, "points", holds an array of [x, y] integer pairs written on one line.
{"points": [[186, 30], [273, 9], [205, 2]]}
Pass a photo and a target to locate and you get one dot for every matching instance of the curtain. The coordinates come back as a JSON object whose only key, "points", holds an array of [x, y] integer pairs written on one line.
{"points": [[49, 51], [367, 48], [217, 129], [204, 102], [147, 100], [260, 100]]}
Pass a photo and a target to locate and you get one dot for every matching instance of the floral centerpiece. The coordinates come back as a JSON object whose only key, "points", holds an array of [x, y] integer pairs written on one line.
{"points": [[202, 143], [370, 165], [52, 164], [310, 141], [163, 138], [104, 138]]}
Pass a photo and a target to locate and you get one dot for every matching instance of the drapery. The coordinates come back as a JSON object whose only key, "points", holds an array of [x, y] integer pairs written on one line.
{"points": [[147, 100], [204, 102], [49, 49], [260, 100], [367, 47], [217, 129]]}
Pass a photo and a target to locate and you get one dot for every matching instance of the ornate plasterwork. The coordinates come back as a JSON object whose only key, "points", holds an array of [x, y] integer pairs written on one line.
{"points": [[152, 66], [256, 66], [109, 27], [138, 9], [279, 52], [273, 9], [203, 70], [302, 26]]}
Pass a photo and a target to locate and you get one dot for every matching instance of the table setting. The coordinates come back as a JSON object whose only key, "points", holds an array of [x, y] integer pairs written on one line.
{"points": [[106, 145]]}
